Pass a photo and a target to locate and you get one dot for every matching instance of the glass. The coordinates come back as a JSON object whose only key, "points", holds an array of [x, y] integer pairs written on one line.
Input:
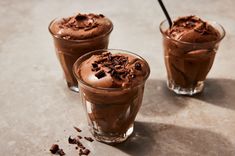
{"points": [[110, 111], [68, 51], [188, 64]]}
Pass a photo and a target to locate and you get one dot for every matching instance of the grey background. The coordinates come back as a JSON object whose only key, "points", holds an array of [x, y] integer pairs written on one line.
{"points": [[36, 108]]}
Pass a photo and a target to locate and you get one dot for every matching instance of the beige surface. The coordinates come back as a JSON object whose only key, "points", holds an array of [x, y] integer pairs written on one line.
{"points": [[37, 109]]}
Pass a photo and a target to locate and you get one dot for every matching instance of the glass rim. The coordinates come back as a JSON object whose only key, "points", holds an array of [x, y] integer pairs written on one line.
{"points": [[190, 43], [79, 40], [120, 51]]}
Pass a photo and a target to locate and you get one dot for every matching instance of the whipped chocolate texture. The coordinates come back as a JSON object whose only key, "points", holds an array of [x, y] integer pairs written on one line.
{"points": [[192, 29], [81, 26], [113, 70], [190, 48]]}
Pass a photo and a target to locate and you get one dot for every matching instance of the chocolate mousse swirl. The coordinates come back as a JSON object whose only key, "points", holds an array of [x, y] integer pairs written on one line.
{"points": [[113, 70], [192, 29], [82, 26]]}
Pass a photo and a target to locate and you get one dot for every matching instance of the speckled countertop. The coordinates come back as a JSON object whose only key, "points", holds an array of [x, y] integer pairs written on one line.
{"points": [[36, 108]]}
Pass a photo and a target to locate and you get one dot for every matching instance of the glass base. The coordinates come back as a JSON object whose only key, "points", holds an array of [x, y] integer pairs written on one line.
{"points": [[112, 138], [186, 91], [73, 87]]}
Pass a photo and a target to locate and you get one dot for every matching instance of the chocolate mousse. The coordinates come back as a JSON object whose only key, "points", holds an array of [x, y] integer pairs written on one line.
{"points": [[77, 35], [190, 46], [111, 86]]}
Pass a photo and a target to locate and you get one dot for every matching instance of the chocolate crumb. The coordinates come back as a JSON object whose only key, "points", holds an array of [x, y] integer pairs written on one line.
{"points": [[76, 147], [77, 129], [84, 152], [100, 74], [94, 65], [60, 152], [89, 139], [137, 66], [80, 137], [72, 140], [54, 148]]}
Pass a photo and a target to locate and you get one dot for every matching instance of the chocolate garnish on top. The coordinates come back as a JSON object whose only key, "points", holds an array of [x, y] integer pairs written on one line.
{"points": [[116, 65], [81, 17], [100, 74]]}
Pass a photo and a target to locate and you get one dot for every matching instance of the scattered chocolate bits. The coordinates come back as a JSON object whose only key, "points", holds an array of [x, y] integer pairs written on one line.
{"points": [[56, 150], [77, 129], [89, 139], [76, 141], [137, 66], [100, 74], [84, 152]]}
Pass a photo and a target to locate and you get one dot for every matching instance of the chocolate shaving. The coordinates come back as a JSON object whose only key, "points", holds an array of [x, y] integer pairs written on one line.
{"points": [[100, 74], [77, 129], [115, 65], [84, 152], [138, 66], [80, 17], [76, 141], [72, 140], [60, 152], [56, 150], [80, 137], [89, 139]]}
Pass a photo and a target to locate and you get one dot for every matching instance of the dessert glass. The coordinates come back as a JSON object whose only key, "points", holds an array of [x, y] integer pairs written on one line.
{"points": [[110, 111], [68, 51], [188, 64]]}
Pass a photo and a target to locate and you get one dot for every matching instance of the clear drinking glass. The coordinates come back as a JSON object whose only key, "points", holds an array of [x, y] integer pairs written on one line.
{"points": [[68, 51], [110, 111], [188, 64]]}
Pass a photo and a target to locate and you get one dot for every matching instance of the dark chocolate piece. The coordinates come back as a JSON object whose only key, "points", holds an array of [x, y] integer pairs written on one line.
{"points": [[89, 139], [80, 17], [54, 148], [60, 152], [100, 74], [84, 152], [137, 66], [77, 129]]}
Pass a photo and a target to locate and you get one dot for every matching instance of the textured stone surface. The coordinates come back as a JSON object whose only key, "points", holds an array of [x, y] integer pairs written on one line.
{"points": [[36, 108]]}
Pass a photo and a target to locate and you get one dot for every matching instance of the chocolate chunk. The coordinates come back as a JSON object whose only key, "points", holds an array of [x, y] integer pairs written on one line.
{"points": [[84, 152], [137, 66], [72, 140], [80, 17], [94, 65], [77, 129], [89, 139], [60, 152], [54, 148], [100, 74], [80, 137]]}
